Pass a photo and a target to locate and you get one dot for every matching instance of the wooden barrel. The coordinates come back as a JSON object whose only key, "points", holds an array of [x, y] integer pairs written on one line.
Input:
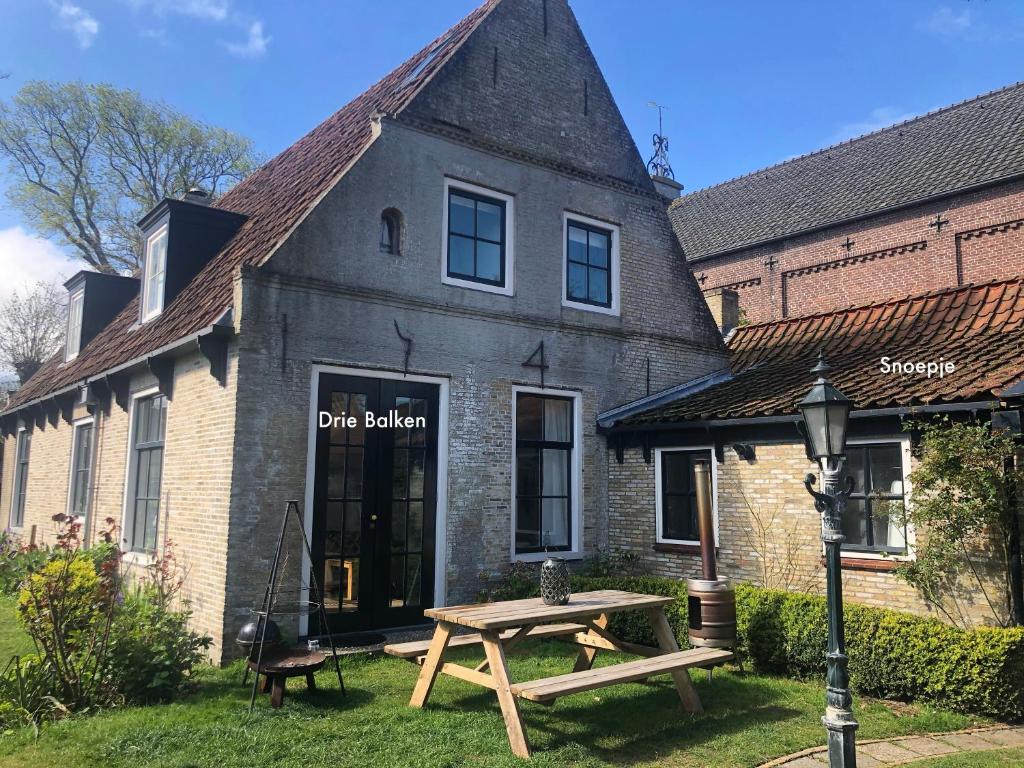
{"points": [[712, 613]]}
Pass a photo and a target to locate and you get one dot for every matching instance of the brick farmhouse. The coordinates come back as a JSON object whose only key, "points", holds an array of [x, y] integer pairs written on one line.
{"points": [[472, 245]]}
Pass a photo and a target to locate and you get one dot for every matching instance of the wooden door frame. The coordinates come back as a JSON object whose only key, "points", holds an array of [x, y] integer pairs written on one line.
{"points": [[441, 513]]}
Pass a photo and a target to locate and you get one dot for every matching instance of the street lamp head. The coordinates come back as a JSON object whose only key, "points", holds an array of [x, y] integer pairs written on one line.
{"points": [[826, 412]]}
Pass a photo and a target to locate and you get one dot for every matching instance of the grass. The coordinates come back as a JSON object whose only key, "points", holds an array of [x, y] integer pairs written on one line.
{"points": [[1011, 758], [749, 719]]}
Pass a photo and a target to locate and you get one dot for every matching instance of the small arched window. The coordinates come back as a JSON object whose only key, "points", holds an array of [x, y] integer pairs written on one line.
{"points": [[391, 231]]}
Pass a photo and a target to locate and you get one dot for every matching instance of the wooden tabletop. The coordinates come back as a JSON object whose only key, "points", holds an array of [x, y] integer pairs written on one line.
{"points": [[516, 613]]}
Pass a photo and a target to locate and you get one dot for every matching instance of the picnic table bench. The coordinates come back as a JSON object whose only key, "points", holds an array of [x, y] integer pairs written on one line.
{"points": [[583, 621]]}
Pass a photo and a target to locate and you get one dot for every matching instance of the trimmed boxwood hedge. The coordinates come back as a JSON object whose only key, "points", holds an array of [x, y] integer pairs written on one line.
{"points": [[893, 655]]}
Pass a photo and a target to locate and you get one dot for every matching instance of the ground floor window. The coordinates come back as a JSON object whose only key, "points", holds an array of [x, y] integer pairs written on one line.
{"points": [[877, 470], [545, 446], [149, 420], [677, 494], [81, 469], [20, 478]]}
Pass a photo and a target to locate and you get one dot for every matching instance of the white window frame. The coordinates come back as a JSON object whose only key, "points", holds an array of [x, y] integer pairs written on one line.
{"points": [[905, 451], [73, 342], [16, 485], [575, 551], [659, 502], [507, 289], [132, 556], [75, 426], [613, 263], [159, 306]]}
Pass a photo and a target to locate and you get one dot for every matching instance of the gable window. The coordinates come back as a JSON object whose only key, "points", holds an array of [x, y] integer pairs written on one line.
{"points": [[73, 343], [677, 494], [591, 264], [154, 273], [477, 248], [878, 471], [546, 472], [20, 478], [149, 419], [81, 469], [390, 232]]}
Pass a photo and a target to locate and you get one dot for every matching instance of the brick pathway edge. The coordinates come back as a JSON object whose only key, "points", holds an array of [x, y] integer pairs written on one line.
{"points": [[900, 750]]}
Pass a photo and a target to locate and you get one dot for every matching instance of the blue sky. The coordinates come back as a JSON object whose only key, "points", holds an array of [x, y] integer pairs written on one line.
{"points": [[747, 84]]}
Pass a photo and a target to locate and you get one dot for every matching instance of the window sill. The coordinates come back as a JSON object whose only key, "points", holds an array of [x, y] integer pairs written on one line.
{"points": [[540, 557], [473, 285], [612, 311], [874, 564], [677, 549]]}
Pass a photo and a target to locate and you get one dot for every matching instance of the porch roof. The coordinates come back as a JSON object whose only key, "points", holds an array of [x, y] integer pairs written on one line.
{"points": [[977, 328]]}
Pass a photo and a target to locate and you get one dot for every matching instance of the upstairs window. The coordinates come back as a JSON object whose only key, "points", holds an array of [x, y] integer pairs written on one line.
{"points": [[478, 251], [878, 484], [20, 478], [591, 271], [391, 232], [73, 343], [154, 273]]}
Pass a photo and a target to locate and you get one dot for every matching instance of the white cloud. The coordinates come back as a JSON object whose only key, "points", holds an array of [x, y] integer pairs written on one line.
{"points": [[26, 260], [254, 46], [78, 21], [210, 10], [881, 117], [948, 23]]}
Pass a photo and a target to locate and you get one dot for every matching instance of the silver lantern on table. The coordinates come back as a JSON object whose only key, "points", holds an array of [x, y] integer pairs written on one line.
{"points": [[554, 581]]}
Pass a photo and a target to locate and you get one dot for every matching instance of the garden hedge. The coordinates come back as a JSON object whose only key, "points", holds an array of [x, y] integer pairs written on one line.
{"points": [[893, 655]]}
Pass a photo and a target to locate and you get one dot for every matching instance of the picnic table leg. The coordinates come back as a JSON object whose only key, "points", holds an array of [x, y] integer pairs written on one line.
{"points": [[431, 664], [586, 656], [667, 642], [503, 687]]}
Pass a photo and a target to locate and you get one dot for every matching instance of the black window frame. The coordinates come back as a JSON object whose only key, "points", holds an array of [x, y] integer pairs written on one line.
{"points": [[81, 474], [477, 197], [571, 222], [570, 448], [22, 456], [137, 449], [390, 222], [872, 497], [694, 454]]}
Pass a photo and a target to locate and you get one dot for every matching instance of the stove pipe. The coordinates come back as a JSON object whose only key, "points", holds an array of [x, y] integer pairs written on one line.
{"points": [[711, 601]]}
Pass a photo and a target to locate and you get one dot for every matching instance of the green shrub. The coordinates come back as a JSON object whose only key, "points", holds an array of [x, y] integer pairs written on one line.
{"points": [[893, 655]]}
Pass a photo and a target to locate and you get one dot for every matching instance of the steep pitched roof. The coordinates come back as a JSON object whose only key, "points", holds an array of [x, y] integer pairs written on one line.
{"points": [[979, 328], [968, 144], [275, 198]]}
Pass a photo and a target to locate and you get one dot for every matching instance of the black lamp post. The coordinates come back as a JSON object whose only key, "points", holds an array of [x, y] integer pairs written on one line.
{"points": [[826, 412]]}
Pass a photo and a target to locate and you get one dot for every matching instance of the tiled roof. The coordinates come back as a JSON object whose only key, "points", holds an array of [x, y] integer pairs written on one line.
{"points": [[979, 328], [958, 147], [275, 198]]}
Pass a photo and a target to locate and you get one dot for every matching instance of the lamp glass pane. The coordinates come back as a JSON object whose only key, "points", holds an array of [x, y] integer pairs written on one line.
{"points": [[837, 416], [814, 420]]}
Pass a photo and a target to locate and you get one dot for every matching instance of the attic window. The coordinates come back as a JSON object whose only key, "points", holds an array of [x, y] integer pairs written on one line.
{"points": [[391, 232], [154, 273], [73, 343]]}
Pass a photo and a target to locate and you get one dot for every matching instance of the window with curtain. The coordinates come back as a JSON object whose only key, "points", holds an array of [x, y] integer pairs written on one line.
{"points": [[73, 343], [476, 237], [154, 272], [20, 478], [81, 469], [149, 424], [544, 452], [677, 506], [877, 472]]}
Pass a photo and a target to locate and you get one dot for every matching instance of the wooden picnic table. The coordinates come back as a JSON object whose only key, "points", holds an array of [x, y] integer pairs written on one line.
{"points": [[583, 621]]}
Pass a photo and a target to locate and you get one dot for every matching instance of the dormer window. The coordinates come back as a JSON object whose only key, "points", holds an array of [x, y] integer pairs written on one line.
{"points": [[154, 272], [73, 343]]}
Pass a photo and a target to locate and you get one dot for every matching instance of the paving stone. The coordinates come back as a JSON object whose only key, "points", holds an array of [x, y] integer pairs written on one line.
{"points": [[925, 745], [867, 761], [886, 752], [807, 761], [1009, 737], [968, 742]]}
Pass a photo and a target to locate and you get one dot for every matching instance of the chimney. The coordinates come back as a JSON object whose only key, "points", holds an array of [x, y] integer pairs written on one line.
{"points": [[668, 188], [724, 304], [197, 195]]}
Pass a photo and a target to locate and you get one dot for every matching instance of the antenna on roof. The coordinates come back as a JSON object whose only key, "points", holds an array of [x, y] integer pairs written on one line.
{"points": [[658, 165]]}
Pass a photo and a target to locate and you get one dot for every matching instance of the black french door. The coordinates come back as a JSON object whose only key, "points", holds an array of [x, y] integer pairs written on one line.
{"points": [[375, 501]]}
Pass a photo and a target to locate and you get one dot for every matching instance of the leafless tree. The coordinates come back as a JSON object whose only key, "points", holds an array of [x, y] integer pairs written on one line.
{"points": [[31, 328]]}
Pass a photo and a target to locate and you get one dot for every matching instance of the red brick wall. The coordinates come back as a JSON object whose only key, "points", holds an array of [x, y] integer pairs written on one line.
{"points": [[895, 254]]}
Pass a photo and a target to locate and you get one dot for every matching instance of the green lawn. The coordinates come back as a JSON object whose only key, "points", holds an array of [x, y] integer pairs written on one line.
{"points": [[749, 719], [1011, 758]]}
